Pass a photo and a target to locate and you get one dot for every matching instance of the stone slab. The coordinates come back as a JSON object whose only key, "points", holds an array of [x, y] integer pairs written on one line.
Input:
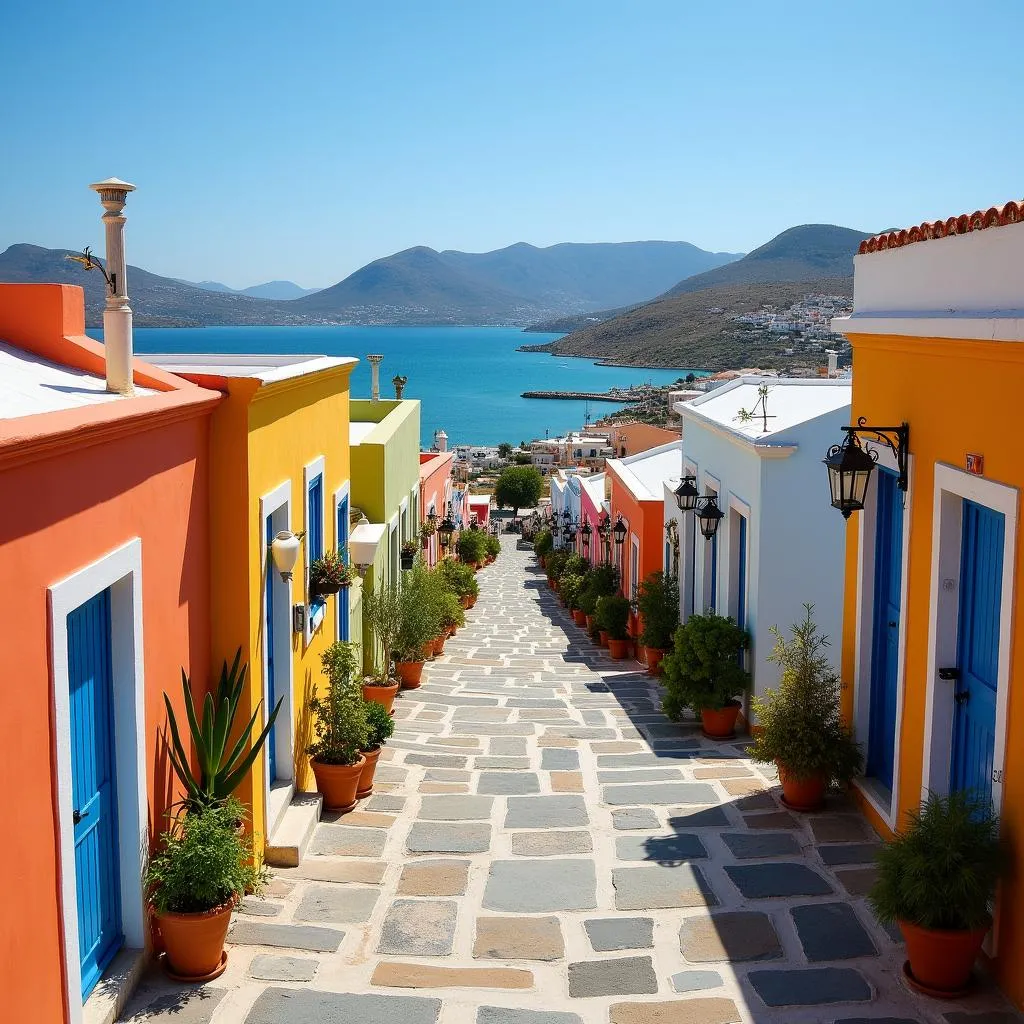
{"points": [[456, 808], [386, 804], [616, 747], [755, 845], [436, 760], [831, 931], [991, 1017], [559, 759], [395, 974], [507, 746], [672, 849], [660, 793], [556, 741], [282, 968], [840, 828], [622, 976], [736, 771], [542, 886], [282, 1005], [518, 938], [446, 775], [508, 783], [611, 933], [695, 981], [634, 817], [512, 1015], [434, 878], [434, 788], [810, 987], [258, 907], [546, 812], [1005, 1019], [189, 1006], [850, 853], [550, 843], [857, 881], [676, 1011], [771, 881], [340, 841], [607, 777], [336, 904], [419, 928], [580, 732], [663, 759], [683, 818], [322, 869], [776, 820], [521, 764], [286, 936], [567, 782], [736, 936], [657, 886], [448, 837]]}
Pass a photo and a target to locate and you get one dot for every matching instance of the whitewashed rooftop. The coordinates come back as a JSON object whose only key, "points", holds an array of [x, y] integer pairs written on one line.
{"points": [[30, 385], [358, 430], [263, 367], [645, 472], [790, 402]]}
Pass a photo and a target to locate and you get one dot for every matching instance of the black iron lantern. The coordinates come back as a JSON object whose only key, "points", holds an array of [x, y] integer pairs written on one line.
{"points": [[585, 531], [850, 464], [445, 530], [710, 515], [432, 517], [566, 517], [619, 530], [687, 494], [604, 527]]}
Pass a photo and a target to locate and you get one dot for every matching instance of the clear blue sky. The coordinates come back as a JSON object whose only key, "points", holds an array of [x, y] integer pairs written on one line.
{"points": [[302, 140]]}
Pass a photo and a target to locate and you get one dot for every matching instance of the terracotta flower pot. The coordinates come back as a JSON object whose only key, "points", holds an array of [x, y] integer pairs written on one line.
{"points": [[410, 672], [602, 637], [438, 644], [579, 618], [941, 960], [365, 787], [618, 649], [806, 794], [720, 723], [464, 601], [553, 584], [653, 656], [543, 561], [590, 623], [381, 694], [472, 600], [427, 651], [338, 783], [194, 943]]}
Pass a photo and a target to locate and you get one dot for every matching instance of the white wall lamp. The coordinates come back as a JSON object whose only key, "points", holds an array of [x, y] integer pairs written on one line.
{"points": [[284, 550], [363, 544]]}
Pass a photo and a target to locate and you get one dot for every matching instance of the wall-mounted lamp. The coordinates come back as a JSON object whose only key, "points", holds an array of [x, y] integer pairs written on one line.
{"points": [[284, 550], [619, 531], [850, 464], [709, 515], [686, 494]]}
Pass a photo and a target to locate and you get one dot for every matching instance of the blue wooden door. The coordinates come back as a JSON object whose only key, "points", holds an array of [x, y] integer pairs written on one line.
{"points": [[981, 581], [741, 575], [341, 534], [94, 787], [268, 632], [713, 575], [885, 628]]}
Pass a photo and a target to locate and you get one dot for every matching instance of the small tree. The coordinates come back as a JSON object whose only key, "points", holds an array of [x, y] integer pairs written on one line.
{"points": [[518, 487], [504, 450], [382, 610], [339, 716], [658, 604]]}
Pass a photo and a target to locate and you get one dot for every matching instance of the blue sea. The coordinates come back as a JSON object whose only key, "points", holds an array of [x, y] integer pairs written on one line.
{"points": [[469, 379]]}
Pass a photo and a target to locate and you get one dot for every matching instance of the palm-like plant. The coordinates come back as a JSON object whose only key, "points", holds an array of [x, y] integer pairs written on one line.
{"points": [[220, 770]]}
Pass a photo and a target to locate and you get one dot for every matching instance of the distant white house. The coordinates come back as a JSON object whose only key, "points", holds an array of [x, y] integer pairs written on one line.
{"points": [[780, 544]]}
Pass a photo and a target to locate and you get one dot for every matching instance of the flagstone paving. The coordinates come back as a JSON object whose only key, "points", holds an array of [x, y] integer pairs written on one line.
{"points": [[544, 847]]}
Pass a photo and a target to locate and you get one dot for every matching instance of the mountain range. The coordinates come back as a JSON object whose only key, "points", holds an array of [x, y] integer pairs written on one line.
{"points": [[268, 290], [515, 285]]}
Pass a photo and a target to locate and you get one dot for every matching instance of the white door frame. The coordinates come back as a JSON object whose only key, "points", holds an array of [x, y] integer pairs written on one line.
{"points": [[952, 486], [121, 571]]}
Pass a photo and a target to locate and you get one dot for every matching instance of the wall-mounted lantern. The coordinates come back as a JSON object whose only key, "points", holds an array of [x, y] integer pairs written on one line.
{"points": [[709, 515], [686, 494], [446, 528], [619, 532], [585, 531], [284, 552], [850, 464]]}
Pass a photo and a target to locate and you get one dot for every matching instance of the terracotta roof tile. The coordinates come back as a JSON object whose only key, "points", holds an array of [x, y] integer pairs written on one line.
{"points": [[996, 216]]}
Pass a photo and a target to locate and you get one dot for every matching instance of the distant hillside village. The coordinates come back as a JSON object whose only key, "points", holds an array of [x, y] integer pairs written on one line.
{"points": [[802, 328]]}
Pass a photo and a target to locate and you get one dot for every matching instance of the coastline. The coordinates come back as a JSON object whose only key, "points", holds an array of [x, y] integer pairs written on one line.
{"points": [[541, 349]]}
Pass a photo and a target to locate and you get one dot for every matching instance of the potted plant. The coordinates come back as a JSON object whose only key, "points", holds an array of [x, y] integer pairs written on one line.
{"points": [[408, 554], [459, 578], [427, 530], [381, 726], [801, 728], [612, 617], [453, 616], [198, 872], [705, 672], [472, 547], [492, 546], [936, 880], [569, 587], [221, 767], [657, 601], [382, 613], [341, 729], [543, 544], [328, 574]]}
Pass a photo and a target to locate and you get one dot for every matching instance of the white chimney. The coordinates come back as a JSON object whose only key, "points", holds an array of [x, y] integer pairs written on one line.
{"points": [[117, 314], [833, 362], [375, 362], [440, 440]]}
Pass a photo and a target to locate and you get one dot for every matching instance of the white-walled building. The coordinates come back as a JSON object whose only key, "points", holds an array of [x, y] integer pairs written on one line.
{"points": [[781, 544]]}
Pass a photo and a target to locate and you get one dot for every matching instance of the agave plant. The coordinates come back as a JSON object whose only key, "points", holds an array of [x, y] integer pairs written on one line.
{"points": [[219, 775]]}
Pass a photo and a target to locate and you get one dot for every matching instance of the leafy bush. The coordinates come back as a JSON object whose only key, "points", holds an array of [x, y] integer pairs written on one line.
{"points": [[202, 862], [801, 728], [379, 723], [704, 668], [574, 565], [221, 768], [612, 614], [518, 487], [459, 577], [339, 717], [555, 563], [421, 607], [941, 871], [601, 580], [452, 615], [382, 611], [329, 572], [658, 604], [569, 588], [471, 546], [543, 543], [492, 546]]}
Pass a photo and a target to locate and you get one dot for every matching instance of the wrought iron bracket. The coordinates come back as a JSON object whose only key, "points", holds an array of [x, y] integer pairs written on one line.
{"points": [[897, 439]]}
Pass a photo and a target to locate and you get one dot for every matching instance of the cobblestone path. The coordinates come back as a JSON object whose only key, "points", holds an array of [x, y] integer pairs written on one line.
{"points": [[544, 847]]}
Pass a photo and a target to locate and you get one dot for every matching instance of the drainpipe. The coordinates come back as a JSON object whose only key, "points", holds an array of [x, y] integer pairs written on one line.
{"points": [[117, 314], [375, 362]]}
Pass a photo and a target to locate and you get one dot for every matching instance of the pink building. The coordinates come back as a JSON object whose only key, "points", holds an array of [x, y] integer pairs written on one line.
{"points": [[435, 494]]}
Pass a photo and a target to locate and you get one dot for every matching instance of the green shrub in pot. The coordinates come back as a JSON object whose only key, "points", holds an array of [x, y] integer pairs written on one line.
{"points": [[658, 604], [612, 615]]}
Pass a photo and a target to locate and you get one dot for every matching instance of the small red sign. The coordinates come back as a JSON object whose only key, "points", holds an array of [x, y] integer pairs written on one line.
{"points": [[975, 464]]}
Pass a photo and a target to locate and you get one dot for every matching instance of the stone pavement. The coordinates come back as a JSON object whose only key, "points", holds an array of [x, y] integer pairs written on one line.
{"points": [[544, 847]]}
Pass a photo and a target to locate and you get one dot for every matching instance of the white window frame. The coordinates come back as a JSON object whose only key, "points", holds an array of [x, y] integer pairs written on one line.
{"points": [[121, 571]]}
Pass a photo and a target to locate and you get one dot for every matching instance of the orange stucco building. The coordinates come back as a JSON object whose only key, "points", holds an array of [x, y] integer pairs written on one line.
{"points": [[104, 564], [634, 437]]}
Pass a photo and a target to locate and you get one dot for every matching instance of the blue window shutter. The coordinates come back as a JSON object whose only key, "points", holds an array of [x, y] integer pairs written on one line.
{"points": [[315, 518]]}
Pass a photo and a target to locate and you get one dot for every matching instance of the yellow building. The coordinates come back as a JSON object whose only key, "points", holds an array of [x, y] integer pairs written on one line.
{"points": [[279, 462], [930, 658]]}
